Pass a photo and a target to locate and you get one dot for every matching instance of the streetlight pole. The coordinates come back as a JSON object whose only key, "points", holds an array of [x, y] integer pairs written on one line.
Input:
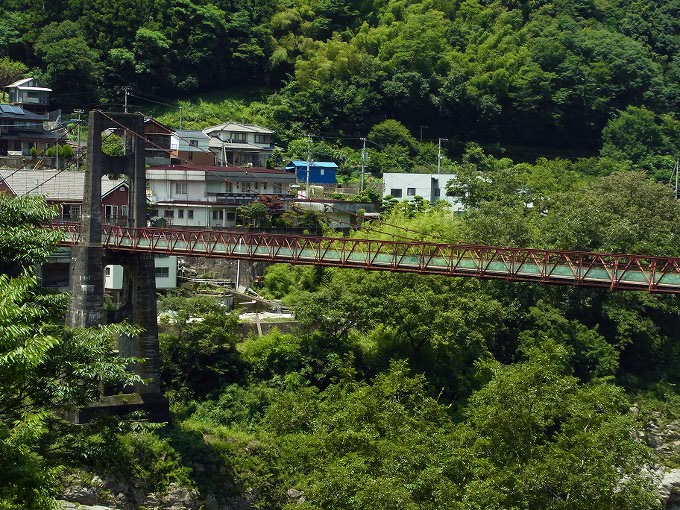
{"points": [[127, 92], [439, 155], [79, 112], [363, 164], [309, 162], [421, 132]]}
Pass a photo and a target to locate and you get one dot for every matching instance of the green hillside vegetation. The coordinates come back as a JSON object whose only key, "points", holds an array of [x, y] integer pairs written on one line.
{"points": [[535, 73], [395, 390]]}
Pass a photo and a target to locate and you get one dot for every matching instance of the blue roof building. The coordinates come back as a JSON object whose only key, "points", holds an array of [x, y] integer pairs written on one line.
{"points": [[320, 172]]}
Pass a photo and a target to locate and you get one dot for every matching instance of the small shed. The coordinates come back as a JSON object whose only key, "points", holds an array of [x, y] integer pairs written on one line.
{"points": [[320, 172]]}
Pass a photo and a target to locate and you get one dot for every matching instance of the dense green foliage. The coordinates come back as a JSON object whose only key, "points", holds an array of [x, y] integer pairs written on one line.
{"points": [[44, 368], [411, 391], [531, 73]]}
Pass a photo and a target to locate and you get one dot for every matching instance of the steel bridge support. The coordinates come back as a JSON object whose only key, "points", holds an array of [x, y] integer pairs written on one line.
{"points": [[86, 307]]}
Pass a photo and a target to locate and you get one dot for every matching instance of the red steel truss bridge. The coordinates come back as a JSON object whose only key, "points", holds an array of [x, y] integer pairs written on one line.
{"points": [[586, 269]]}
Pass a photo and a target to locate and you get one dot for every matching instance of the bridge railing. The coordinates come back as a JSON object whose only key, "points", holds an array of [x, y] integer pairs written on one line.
{"points": [[615, 271]]}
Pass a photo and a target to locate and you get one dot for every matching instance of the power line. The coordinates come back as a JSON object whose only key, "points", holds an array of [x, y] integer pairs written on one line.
{"points": [[254, 177]]}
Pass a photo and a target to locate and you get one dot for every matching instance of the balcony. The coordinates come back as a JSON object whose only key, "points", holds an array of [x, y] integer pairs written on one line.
{"points": [[243, 197]]}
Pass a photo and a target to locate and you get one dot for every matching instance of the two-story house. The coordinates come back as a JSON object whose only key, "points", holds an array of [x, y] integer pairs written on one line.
{"points": [[200, 196], [21, 130], [158, 146], [191, 147], [28, 94], [237, 144]]}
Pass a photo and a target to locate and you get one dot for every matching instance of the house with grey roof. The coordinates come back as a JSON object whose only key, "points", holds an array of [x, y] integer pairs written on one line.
{"points": [[191, 147], [66, 189], [236, 144], [21, 130]]}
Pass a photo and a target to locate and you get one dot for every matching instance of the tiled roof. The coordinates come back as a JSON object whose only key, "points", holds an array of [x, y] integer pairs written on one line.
{"points": [[208, 168], [190, 134], [216, 143], [8, 111], [235, 127], [56, 186]]}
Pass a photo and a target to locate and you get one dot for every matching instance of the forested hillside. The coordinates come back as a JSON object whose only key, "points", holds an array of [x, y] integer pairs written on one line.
{"points": [[390, 391], [537, 73]]}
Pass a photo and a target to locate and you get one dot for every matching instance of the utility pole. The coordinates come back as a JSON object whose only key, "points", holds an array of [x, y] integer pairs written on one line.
{"points": [[79, 112], [439, 155], [309, 162], [421, 132], [127, 92], [363, 164]]}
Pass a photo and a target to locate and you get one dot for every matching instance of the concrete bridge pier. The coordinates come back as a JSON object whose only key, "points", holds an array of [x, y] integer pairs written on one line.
{"points": [[86, 308]]}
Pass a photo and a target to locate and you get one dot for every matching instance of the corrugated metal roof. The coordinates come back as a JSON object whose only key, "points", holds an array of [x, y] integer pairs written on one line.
{"points": [[55, 185], [313, 164], [41, 89], [18, 83]]}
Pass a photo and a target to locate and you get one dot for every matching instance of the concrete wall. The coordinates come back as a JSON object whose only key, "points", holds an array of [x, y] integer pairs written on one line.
{"points": [[431, 187]]}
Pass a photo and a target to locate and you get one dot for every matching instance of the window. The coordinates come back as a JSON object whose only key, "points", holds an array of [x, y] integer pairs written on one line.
{"points": [[257, 185], [396, 192], [153, 213], [190, 214], [169, 213], [263, 139], [162, 272], [218, 215], [437, 192], [231, 216], [71, 212], [124, 211], [193, 143], [410, 191], [191, 156], [264, 185], [180, 188], [180, 213], [107, 271]]}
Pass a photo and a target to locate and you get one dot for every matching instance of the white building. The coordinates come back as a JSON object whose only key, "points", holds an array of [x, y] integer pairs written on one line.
{"points": [[166, 274], [431, 187], [200, 196], [240, 144]]}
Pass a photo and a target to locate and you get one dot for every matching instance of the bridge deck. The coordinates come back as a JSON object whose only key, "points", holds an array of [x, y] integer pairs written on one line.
{"points": [[614, 271]]}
